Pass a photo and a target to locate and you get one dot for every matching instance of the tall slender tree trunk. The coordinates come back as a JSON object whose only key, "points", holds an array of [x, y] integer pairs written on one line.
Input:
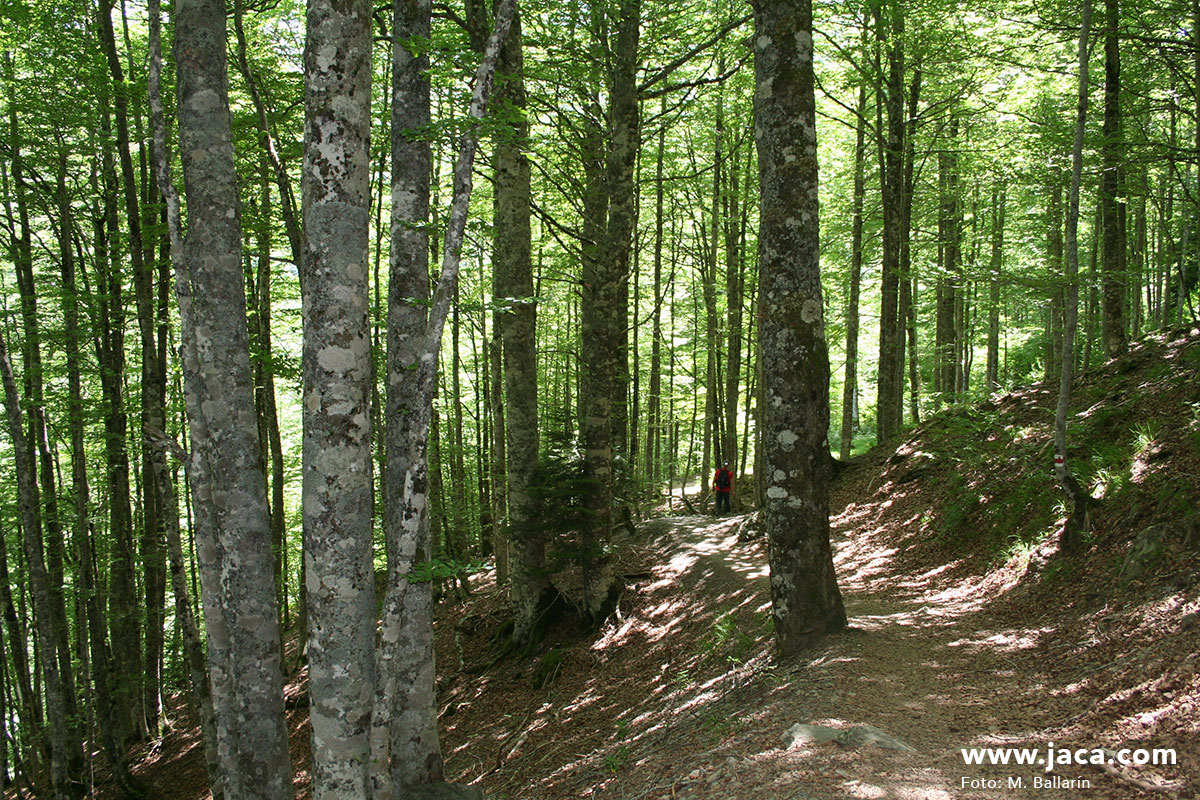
{"points": [[850, 384], [992, 371], [603, 324], [713, 441], [232, 519], [950, 276], [908, 273], [201, 693], [1077, 522], [513, 264], [733, 298], [123, 607], [405, 751], [654, 415], [889, 22], [457, 542], [1054, 312], [1112, 200], [39, 583], [806, 602]]}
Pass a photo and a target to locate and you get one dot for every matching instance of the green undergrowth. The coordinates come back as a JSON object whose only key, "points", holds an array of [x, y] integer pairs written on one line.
{"points": [[985, 472]]}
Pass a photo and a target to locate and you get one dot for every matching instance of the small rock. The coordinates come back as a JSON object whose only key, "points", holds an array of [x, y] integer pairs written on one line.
{"points": [[864, 735], [809, 734], [1146, 550]]}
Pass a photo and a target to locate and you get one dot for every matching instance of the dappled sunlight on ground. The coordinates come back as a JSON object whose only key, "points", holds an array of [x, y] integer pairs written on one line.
{"points": [[967, 628]]}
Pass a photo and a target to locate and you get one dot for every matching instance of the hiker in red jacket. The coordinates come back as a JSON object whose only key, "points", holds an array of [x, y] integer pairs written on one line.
{"points": [[723, 486]]}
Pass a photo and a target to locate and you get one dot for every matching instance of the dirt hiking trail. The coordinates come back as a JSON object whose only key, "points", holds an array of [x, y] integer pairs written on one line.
{"points": [[679, 696]]}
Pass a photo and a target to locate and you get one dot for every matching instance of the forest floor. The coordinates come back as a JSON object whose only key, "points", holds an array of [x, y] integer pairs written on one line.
{"points": [[967, 629]]}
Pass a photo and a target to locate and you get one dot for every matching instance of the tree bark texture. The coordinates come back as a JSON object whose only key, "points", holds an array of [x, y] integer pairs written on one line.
{"points": [[1112, 201], [602, 320], [201, 692], [405, 750], [338, 477], [232, 519], [806, 602], [1072, 535], [404, 745], [513, 288]]}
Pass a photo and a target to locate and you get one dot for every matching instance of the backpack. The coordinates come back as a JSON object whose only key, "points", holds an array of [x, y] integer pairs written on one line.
{"points": [[723, 479]]}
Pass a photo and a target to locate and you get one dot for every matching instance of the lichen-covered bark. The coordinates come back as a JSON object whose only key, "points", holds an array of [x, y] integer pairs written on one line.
{"points": [[338, 493], [404, 745], [513, 284], [231, 517], [805, 599], [193, 645]]}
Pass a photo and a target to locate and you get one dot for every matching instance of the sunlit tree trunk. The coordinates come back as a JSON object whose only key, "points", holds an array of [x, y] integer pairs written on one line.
{"points": [[338, 490], [806, 602]]}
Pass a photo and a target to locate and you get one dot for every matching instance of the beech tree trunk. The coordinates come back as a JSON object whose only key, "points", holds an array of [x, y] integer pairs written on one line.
{"points": [[405, 751], [201, 693], [850, 385], [889, 22], [805, 599], [654, 414], [338, 474], [1080, 501], [513, 287], [603, 323], [1112, 201], [232, 519], [992, 371]]}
